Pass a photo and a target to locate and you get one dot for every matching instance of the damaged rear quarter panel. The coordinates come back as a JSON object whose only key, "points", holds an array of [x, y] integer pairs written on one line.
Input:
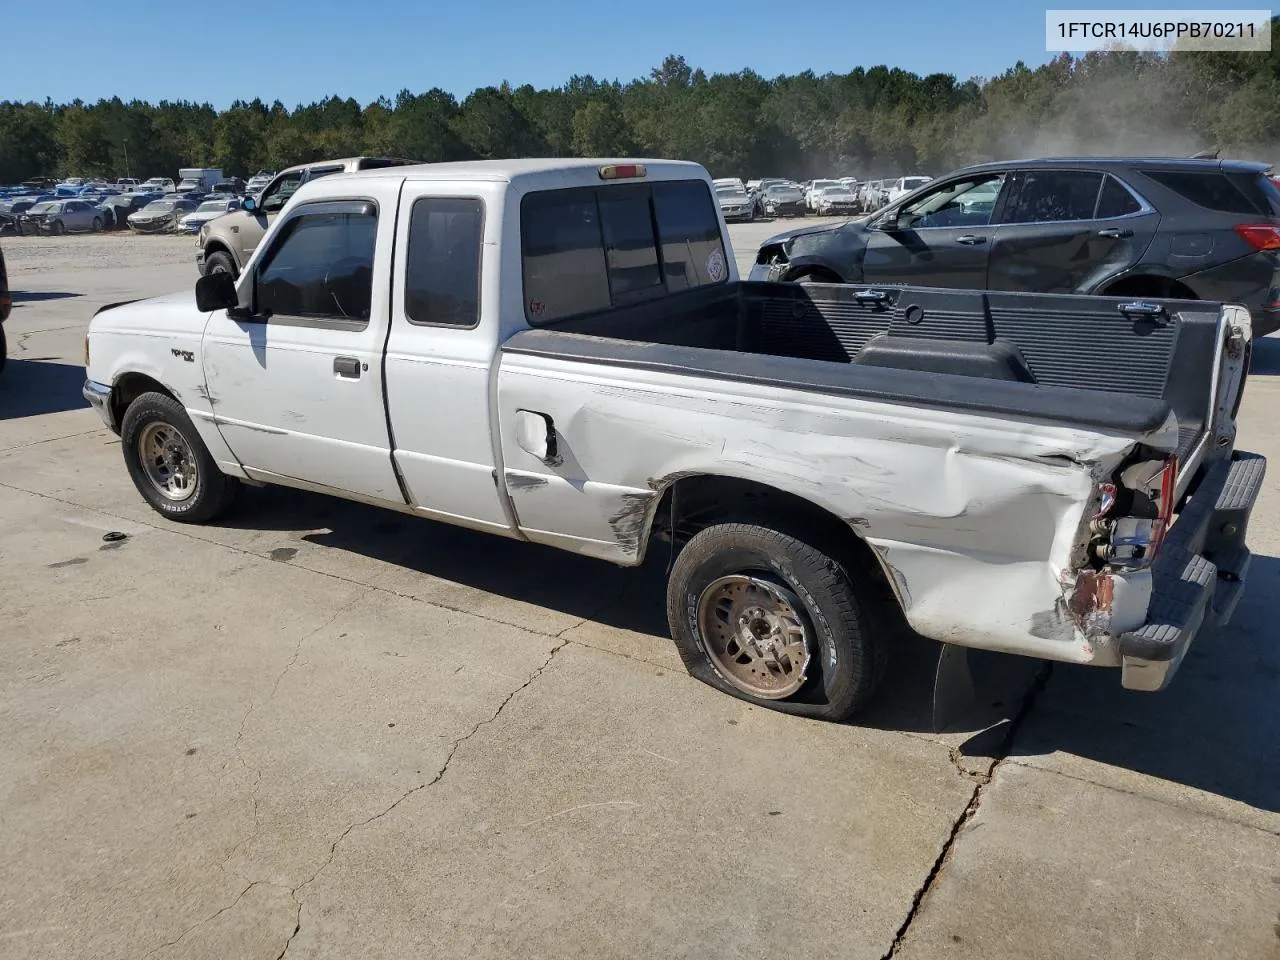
{"points": [[975, 518]]}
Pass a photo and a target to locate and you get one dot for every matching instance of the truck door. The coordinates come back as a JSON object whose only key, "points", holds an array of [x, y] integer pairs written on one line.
{"points": [[444, 334], [296, 385]]}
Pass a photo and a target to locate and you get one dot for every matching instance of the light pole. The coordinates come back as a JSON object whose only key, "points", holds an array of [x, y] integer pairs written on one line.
{"points": [[126, 158]]}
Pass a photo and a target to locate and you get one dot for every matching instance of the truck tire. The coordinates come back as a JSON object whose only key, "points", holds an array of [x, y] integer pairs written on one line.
{"points": [[764, 616], [4, 348], [169, 464], [220, 262]]}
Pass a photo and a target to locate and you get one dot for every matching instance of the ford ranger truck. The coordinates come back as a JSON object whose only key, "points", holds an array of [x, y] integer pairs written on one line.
{"points": [[561, 351]]}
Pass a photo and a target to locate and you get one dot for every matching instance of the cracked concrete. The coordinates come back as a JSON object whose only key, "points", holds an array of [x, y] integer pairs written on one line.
{"points": [[320, 730]]}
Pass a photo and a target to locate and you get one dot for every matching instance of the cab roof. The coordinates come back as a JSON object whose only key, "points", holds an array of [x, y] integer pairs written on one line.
{"points": [[585, 170]]}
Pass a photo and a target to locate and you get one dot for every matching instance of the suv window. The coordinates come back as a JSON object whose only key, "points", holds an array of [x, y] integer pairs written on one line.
{"points": [[278, 194], [442, 269], [1046, 196], [1116, 200], [590, 248], [958, 203], [1211, 190], [321, 265]]}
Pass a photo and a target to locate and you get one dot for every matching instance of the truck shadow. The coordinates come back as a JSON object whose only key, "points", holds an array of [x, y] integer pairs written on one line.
{"points": [[29, 388], [36, 296], [628, 599], [1214, 729]]}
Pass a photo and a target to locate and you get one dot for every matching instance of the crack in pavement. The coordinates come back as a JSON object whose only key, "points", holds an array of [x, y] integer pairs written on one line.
{"points": [[257, 773], [981, 782], [444, 768], [209, 919]]}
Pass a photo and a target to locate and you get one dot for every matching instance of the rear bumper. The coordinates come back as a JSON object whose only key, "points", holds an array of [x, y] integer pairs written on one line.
{"points": [[1199, 574]]}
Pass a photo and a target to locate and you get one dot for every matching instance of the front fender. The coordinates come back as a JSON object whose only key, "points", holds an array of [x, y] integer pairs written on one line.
{"points": [[163, 359]]}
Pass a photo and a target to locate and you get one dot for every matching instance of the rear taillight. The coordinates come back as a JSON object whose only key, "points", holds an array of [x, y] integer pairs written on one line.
{"points": [[1134, 516], [1260, 236]]}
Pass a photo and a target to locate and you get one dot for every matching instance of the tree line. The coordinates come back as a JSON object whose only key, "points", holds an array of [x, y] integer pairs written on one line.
{"points": [[870, 122]]}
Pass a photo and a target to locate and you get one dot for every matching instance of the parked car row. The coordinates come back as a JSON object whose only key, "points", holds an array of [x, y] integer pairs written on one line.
{"points": [[780, 197]]}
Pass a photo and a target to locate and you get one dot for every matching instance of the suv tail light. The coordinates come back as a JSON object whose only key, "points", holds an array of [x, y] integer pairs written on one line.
{"points": [[1260, 236]]}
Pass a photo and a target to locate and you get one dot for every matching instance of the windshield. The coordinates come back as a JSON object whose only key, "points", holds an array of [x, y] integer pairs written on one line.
{"points": [[212, 206], [912, 182], [159, 206], [45, 207]]}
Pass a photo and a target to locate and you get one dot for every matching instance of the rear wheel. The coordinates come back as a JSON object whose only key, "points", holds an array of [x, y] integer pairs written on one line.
{"points": [[169, 464], [772, 619]]}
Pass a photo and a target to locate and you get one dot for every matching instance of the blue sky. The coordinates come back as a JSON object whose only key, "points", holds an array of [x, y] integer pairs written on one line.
{"points": [[300, 52]]}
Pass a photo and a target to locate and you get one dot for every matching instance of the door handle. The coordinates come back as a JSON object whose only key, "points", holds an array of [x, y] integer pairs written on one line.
{"points": [[1114, 233], [536, 435], [969, 240], [347, 367]]}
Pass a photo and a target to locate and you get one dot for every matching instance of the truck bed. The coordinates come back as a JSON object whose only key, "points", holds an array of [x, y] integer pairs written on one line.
{"points": [[1048, 357]]}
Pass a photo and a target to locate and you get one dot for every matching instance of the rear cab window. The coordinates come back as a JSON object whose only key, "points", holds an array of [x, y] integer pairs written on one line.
{"points": [[586, 249]]}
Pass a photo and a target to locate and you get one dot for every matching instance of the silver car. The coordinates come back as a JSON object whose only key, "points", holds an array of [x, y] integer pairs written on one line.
{"points": [[159, 216], [735, 202], [61, 216], [208, 210]]}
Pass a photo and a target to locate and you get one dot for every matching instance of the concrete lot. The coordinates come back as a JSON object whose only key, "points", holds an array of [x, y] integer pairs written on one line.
{"points": [[323, 730]]}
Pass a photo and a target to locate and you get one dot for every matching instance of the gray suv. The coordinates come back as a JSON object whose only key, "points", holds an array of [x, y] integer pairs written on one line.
{"points": [[224, 245], [1164, 227]]}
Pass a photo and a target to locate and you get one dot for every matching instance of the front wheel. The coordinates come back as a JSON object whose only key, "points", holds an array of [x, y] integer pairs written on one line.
{"points": [[169, 464], [97, 225], [219, 262], [771, 619], [58, 228]]}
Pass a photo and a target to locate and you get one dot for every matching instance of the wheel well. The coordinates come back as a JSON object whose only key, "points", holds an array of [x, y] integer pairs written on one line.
{"points": [[217, 246], [1146, 285], [128, 389], [696, 502]]}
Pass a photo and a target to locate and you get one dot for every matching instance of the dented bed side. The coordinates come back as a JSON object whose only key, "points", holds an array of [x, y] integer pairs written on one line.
{"points": [[978, 519]]}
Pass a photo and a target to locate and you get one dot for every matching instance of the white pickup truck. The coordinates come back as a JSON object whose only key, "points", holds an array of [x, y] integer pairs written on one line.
{"points": [[561, 351]]}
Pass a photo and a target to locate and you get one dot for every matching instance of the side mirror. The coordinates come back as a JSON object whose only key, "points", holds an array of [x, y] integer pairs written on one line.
{"points": [[250, 204], [216, 291]]}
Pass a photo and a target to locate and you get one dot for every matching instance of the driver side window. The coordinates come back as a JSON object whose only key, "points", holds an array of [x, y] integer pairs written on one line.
{"points": [[959, 203], [321, 265]]}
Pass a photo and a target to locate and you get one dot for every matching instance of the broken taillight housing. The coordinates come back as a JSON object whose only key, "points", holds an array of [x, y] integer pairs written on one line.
{"points": [[1135, 513]]}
